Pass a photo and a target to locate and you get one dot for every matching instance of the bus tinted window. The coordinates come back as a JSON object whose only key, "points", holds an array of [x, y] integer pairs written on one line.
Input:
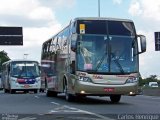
{"points": [[120, 28], [92, 26]]}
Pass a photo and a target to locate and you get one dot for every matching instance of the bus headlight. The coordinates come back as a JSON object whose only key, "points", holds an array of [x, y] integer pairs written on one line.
{"points": [[37, 80], [84, 79], [132, 80], [14, 80]]}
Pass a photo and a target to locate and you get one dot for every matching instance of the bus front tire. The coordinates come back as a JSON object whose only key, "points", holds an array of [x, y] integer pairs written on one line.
{"points": [[115, 98], [68, 97]]}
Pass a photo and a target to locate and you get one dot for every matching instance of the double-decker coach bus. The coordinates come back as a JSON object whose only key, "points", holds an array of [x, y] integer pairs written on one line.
{"points": [[21, 75], [94, 57]]}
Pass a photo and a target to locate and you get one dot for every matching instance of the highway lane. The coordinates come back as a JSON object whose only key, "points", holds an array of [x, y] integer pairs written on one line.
{"points": [[96, 107]]}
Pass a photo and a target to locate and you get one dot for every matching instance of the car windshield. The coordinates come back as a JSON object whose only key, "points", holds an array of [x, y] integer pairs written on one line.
{"points": [[113, 54], [25, 69]]}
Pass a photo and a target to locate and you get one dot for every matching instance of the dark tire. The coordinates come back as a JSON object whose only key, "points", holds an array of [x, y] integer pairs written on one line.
{"points": [[68, 97], [5, 90], [25, 91], [41, 90], [49, 93], [36, 91], [54, 94], [115, 98], [12, 91], [80, 98]]}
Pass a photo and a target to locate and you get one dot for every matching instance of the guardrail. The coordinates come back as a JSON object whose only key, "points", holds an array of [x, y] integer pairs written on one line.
{"points": [[151, 91]]}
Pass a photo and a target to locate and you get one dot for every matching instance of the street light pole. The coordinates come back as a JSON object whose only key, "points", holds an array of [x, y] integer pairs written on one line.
{"points": [[25, 56], [98, 8]]}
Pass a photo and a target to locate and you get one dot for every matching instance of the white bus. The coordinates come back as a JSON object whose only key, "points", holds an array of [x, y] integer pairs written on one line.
{"points": [[94, 57], [21, 75]]}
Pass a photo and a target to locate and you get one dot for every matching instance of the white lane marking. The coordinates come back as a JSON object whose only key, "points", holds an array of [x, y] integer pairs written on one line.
{"points": [[97, 115], [28, 118], [76, 110], [36, 96], [55, 103], [156, 98], [151, 97]]}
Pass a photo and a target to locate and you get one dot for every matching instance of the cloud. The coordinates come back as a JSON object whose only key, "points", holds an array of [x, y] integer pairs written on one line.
{"points": [[117, 1], [147, 9], [58, 4], [18, 7], [134, 9], [41, 13], [150, 59], [37, 17], [147, 12]]}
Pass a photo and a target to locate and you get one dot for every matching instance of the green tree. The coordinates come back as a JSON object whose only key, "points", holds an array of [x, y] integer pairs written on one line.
{"points": [[141, 81], [3, 58]]}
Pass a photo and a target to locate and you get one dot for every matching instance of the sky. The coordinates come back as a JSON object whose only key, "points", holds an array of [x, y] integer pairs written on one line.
{"points": [[41, 19]]}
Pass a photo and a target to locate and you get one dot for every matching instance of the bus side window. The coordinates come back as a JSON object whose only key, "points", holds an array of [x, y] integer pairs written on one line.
{"points": [[9, 69], [72, 65]]}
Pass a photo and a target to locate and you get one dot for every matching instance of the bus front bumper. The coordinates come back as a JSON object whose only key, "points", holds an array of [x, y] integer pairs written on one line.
{"points": [[25, 86], [85, 88]]}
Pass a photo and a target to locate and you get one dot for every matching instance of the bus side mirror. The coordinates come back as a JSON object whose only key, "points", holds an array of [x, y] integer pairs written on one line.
{"points": [[142, 44]]}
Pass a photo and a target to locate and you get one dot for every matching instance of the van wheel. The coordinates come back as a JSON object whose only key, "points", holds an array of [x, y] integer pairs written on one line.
{"points": [[115, 98]]}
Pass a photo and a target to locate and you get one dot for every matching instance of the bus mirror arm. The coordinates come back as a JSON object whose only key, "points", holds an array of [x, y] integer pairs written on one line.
{"points": [[73, 42], [142, 44]]}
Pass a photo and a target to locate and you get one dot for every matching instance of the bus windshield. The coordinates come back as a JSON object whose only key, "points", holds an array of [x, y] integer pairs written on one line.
{"points": [[106, 46], [107, 54], [27, 69]]}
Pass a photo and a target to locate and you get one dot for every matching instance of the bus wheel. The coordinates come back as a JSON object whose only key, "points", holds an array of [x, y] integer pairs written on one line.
{"points": [[49, 93], [115, 98], [36, 91], [54, 94], [41, 90], [25, 91], [5, 90], [68, 97]]}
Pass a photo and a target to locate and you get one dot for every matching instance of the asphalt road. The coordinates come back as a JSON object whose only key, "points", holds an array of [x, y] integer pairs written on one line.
{"points": [[31, 106]]}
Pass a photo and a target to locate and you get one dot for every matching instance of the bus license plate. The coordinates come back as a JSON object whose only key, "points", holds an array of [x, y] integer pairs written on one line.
{"points": [[109, 89], [26, 86]]}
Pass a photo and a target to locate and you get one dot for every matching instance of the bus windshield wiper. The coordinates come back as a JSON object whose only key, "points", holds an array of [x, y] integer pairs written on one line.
{"points": [[116, 60], [101, 61]]}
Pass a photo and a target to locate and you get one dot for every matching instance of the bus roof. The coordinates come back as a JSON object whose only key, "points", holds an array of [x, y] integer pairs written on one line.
{"points": [[16, 60], [102, 18], [93, 18]]}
